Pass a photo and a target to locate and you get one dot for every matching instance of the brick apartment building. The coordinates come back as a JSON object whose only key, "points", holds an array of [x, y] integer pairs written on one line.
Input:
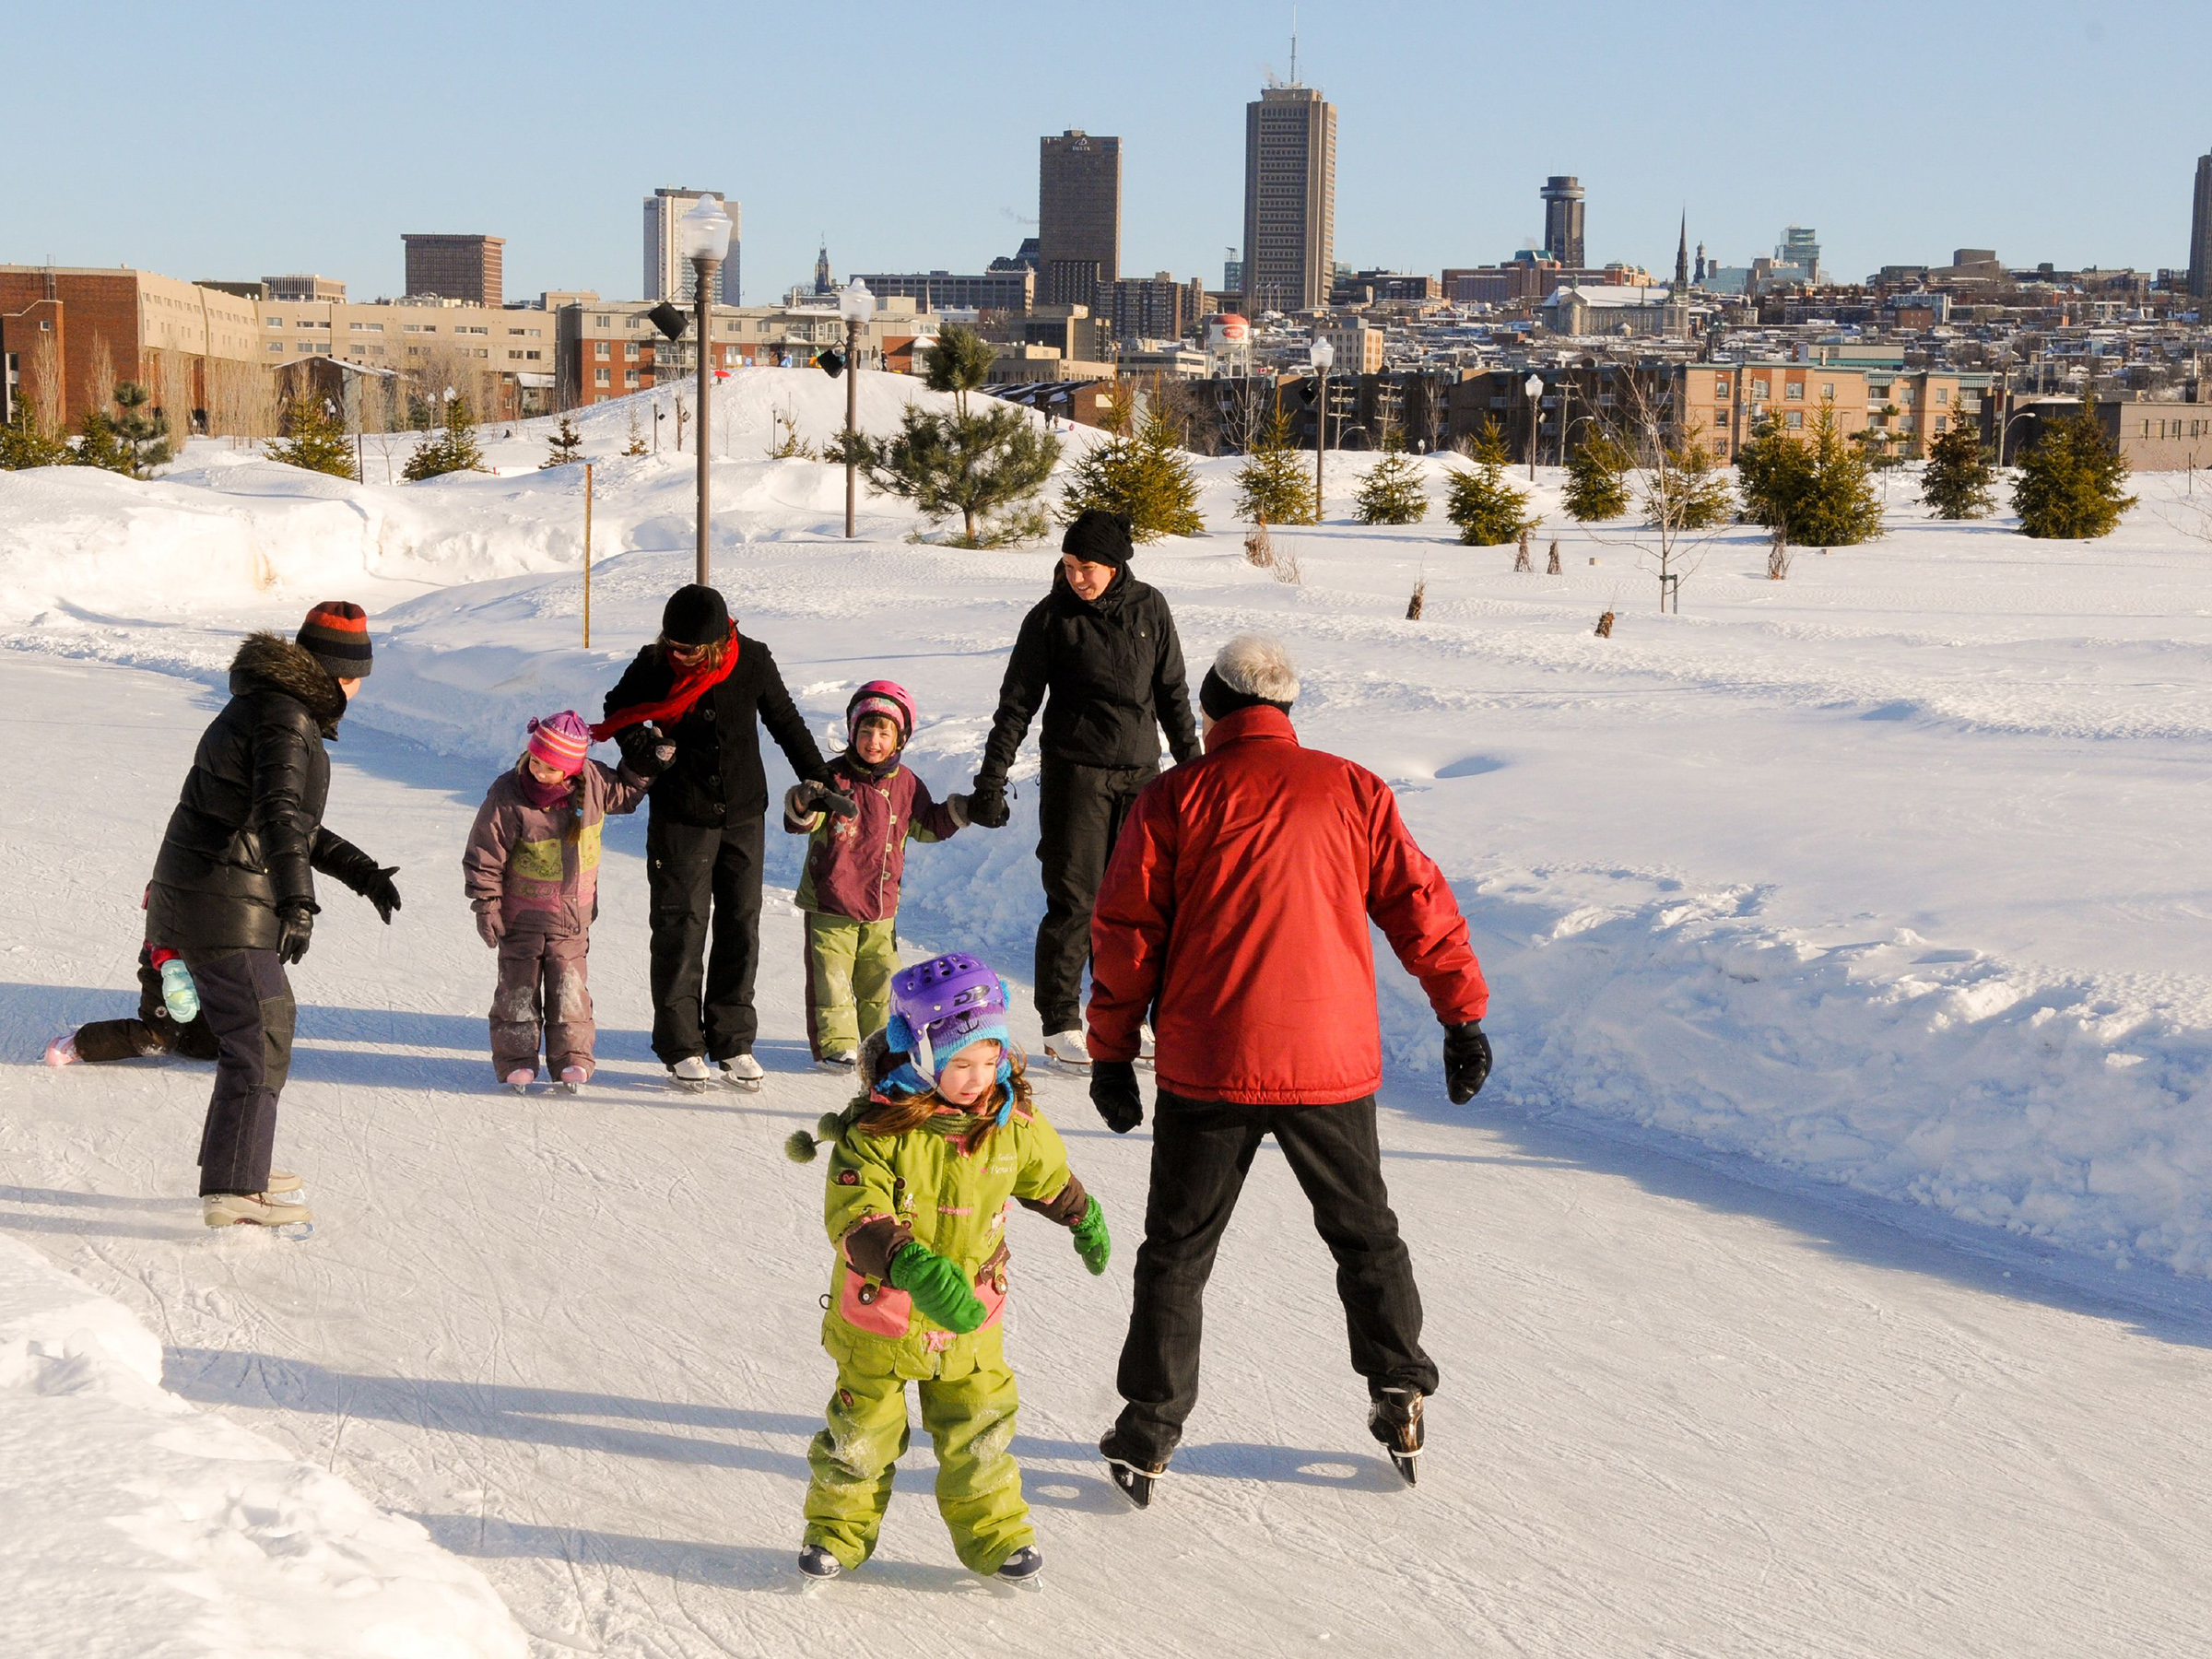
{"points": [[456, 267], [59, 324]]}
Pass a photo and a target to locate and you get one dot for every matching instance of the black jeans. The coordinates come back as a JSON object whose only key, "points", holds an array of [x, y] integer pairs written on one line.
{"points": [[688, 868], [1201, 1151], [1080, 810], [247, 1004]]}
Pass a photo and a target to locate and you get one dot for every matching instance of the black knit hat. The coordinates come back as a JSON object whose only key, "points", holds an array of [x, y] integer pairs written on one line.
{"points": [[1099, 537], [695, 616], [336, 635], [1218, 699]]}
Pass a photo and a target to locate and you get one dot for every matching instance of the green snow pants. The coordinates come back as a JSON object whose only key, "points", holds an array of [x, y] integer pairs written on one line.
{"points": [[849, 969], [978, 1484]]}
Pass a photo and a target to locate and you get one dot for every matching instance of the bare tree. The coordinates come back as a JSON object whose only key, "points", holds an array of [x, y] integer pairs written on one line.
{"points": [[46, 371], [1685, 499], [100, 376]]}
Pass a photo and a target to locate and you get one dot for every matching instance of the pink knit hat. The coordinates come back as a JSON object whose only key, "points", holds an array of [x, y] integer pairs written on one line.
{"points": [[560, 742]]}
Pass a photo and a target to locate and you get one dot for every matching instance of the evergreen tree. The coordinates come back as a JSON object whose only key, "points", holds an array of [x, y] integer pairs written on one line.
{"points": [[987, 467], [313, 438], [98, 444], [564, 446], [1392, 492], [636, 446], [1596, 479], [25, 442], [1816, 491], [1488, 445], [1487, 509], [1957, 480], [453, 450], [1771, 470], [957, 363], [2071, 483], [141, 430], [1681, 490], [1143, 473], [1274, 486]]}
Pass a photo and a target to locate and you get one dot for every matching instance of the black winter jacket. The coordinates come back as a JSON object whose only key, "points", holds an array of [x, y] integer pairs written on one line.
{"points": [[716, 779], [1114, 669], [247, 832]]}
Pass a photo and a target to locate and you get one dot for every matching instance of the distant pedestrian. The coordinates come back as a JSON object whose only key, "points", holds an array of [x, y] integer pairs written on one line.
{"points": [[1100, 654], [234, 892], [1239, 904]]}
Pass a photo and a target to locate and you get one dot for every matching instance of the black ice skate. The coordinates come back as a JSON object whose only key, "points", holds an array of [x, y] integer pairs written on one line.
{"points": [[1395, 1419]]}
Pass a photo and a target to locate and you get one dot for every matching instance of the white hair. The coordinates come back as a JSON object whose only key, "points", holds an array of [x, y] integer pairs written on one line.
{"points": [[1259, 665]]}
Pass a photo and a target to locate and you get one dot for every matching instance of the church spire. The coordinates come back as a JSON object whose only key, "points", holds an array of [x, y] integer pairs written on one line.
{"points": [[1682, 255]]}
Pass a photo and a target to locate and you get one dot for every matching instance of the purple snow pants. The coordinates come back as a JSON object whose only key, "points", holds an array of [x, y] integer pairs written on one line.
{"points": [[541, 984]]}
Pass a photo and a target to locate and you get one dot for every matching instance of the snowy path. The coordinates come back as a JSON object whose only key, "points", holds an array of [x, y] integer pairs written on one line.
{"points": [[1683, 1413]]}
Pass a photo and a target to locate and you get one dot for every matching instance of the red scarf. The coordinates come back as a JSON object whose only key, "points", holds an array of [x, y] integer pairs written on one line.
{"points": [[690, 686]]}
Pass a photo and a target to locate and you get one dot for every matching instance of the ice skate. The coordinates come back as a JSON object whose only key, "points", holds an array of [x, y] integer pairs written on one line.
{"points": [[283, 1183], [1144, 1045], [251, 1209], [1068, 1048], [844, 1062], [1134, 1479], [1395, 1419], [742, 1071], [690, 1074], [1023, 1565], [520, 1079], [818, 1563], [62, 1051], [573, 1077]]}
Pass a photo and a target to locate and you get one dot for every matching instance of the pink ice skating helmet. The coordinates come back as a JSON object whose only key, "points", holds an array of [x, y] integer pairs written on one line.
{"points": [[887, 698], [560, 742]]}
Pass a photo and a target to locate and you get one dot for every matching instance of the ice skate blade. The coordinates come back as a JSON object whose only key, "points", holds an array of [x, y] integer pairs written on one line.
{"points": [[1134, 1483], [1407, 1465]]}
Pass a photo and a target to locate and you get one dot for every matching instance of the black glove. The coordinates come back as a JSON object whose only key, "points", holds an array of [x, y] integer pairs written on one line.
{"points": [[987, 804], [650, 753], [1466, 1061], [295, 925], [1114, 1093], [378, 890]]}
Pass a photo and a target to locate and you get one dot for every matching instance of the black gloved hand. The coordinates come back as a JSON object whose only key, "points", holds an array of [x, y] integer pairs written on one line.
{"points": [[294, 926], [1114, 1091], [1466, 1061], [837, 806], [378, 890], [652, 757], [987, 804]]}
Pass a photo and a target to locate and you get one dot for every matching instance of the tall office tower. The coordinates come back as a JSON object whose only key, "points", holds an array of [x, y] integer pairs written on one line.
{"points": [[1289, 199], [2200, 233], [1562, 195], [1801, 247], [668, 274], [1078, 217], [455, 268]]}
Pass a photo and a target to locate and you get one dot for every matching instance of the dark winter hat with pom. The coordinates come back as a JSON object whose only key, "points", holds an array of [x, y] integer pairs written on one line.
{"points": [[336, 635], [1099, 537], [695, 616]]}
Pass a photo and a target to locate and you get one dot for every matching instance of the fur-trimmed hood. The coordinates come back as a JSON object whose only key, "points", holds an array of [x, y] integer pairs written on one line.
{"points": [[269, 662]]}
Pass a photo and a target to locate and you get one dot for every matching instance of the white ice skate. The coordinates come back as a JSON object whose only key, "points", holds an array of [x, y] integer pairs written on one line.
{"points": [[1067, 1048], [1144, 1044], [520, 1079], [742, 1071], [62, 1051], [573, 1077], [690, 1074], [283, 1183], [253, 1209]]}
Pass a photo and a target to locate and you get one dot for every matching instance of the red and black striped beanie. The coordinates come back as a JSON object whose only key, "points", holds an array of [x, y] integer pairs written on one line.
{"points": [[336, 635]]}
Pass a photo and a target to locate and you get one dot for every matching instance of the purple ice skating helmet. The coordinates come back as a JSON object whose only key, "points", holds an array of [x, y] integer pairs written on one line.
{"points": [[945, 1005]]}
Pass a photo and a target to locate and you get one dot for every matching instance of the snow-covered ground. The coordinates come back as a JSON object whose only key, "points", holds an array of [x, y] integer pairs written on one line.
{"points": [[1864, 886]]}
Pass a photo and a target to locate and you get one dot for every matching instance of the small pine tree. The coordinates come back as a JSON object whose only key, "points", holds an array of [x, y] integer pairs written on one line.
{"points": [[1772, 470], [1274, 486], [1683, 491], [313, 438], [957, 363], [25, 442], [141, 430], [988, 467], [1143, 473], [1391, 491], [1487, 509], [1488, 445], [98, 444], [2071, 484], [1958, 477], [453, 450], [564, 446], [1817, 491], [636, 446], [1596, 479]]}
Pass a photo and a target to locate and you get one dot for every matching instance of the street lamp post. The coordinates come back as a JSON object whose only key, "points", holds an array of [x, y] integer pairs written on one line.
{"points": [[704, 234], [1323, 354], [1534, 386], [856, 305]]}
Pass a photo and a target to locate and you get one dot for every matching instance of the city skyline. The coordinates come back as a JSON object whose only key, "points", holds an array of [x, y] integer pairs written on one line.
{"points": [[1413, 191]]}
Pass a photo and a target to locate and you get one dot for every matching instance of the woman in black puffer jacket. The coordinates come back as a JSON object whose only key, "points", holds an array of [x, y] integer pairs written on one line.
{"points": [[234, 893]]}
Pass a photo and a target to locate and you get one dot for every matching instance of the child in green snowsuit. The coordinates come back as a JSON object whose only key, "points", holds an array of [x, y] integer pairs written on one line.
{"points": [[855, 856], [924, 1170]]}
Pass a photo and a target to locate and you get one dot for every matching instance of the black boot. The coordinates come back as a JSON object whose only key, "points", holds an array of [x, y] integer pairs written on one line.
{"points": [[1395, 1419]]}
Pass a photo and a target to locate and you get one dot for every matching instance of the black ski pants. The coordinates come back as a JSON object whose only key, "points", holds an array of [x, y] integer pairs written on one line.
{"points": [[247, 1004], [1080, 811], [694, 873], [1201, 1152]]}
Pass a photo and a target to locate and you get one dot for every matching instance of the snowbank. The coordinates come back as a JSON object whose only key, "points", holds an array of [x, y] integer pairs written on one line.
{"points": [[137, 1524]]}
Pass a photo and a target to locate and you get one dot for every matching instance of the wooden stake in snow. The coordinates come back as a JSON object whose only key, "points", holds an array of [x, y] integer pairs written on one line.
{"points": [[1521, 564], [1413, 605], [1605, 626], [587, 555], [1552, 569]]}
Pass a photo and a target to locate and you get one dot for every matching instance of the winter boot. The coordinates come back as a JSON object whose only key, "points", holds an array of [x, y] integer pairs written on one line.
{"points": [[1395, 1419], [255, 1209], [1023, 1565], [818, 1563], [62, 1051], [690, 1074], [742, 1071], [1067, 1048], [573, 1077], [520, 1079]]}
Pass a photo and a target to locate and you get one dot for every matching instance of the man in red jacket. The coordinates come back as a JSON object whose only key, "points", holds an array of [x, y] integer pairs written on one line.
{"points": [[1235, 913]]}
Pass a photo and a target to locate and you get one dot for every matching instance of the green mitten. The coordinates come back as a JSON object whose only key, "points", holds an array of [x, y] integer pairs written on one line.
{"points": [[939, 1288], [1091, 1242]]}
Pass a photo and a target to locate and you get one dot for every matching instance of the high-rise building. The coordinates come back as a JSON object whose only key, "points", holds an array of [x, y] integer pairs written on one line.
{"points": [[1078, 217], [669, 275], [455, 268], [1800, 246], [2200, 233], [1562, 195], [1289, 199]]}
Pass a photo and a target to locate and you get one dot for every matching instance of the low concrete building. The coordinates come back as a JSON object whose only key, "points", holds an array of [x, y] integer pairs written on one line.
{"points": [[63, 328], [2150, 436], [609, 348]]}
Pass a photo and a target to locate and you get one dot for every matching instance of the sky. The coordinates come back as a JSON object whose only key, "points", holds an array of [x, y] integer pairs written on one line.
{"points": [[240, 142]]}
